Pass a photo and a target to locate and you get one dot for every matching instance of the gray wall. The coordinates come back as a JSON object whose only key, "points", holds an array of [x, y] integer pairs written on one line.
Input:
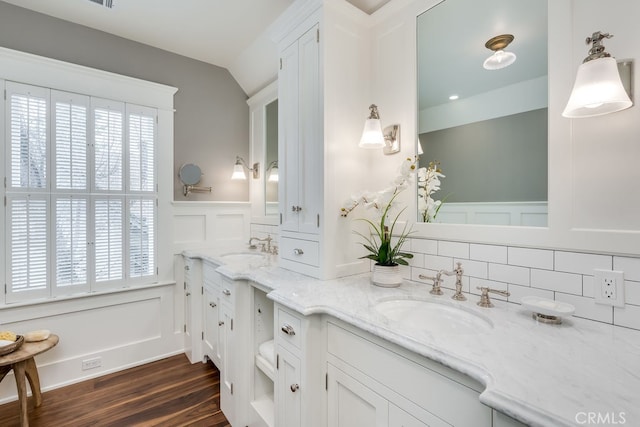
{"points": [[212, 116], [498, 160]]}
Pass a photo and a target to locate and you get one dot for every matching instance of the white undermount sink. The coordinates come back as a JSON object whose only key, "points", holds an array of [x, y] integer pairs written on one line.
{"points": [[237, 257], [434, 315]]}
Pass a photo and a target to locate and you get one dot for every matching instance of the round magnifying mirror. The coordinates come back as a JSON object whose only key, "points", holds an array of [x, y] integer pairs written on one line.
{"points": [[190, 174]]}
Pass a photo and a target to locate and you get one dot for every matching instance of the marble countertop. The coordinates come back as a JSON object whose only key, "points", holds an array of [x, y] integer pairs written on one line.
{"points": [[541, 374]]}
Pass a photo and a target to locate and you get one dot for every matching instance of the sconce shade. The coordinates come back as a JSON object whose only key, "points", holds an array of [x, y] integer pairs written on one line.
{"points": [[238, 172], [273, 174], [372, 134], [597, 90]]}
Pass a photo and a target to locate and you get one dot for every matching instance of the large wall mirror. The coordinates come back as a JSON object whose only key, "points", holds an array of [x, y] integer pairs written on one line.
{"points": [[487, 129]]}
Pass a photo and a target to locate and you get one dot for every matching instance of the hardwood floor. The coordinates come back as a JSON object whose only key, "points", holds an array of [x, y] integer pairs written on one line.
{"points": [[171, 392]]}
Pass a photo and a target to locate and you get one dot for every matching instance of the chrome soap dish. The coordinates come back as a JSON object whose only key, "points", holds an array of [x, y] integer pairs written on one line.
{"points": [[546, 310]]}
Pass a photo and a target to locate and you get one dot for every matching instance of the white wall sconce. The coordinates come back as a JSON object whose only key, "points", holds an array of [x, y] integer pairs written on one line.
{"points": [[272, 172], [598, 88], [374, 137], [239, 169], [500, 58]]}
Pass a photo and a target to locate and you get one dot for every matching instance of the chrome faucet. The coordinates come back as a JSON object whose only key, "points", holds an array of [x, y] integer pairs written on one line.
{"points": [[458, 296], [265, 247], [437, 281], [484, 296]]}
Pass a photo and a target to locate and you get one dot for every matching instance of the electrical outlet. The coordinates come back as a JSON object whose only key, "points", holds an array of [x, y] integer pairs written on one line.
{"points": [[608, 287], [93, 363]]}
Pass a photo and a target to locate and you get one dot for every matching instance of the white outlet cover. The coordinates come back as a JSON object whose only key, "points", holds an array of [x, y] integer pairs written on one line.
{"points": [[598, 287]]}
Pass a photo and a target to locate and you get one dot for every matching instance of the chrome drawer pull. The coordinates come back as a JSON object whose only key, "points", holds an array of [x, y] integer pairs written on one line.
{"points": [[188, 293], [298, 251], [294, 387], [212, 305], [220, 323], [227, 292], [288, 329]]}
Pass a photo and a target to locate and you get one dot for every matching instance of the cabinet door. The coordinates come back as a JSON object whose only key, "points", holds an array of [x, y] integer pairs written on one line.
{"points": [[227, 401], [288, 157], [188, 311], [210, 324], [400, 418], [310, 132], [288, 389], [351, 404]]}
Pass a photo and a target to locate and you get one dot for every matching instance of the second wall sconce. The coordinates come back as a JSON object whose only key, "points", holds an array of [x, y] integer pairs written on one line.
{"points": [[272, 172], [374, 137], [598, 88], [239, 169]]}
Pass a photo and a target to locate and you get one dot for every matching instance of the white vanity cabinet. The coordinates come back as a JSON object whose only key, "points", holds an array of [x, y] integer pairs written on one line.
{"points": [[317, 130], [372, 382], [300, 381], [192, 288]]}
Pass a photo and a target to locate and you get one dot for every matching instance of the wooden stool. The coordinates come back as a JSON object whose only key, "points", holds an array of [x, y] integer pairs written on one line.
{"points": [[23, 365]]}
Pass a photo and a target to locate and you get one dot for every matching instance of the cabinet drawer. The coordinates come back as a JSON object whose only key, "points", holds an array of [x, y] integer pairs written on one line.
{"points": [[211, 277], [227, 292], [289, 328], [304, 251]]}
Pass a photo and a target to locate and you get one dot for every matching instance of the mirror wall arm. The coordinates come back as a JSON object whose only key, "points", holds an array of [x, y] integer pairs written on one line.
{"points": [[186, 189]]}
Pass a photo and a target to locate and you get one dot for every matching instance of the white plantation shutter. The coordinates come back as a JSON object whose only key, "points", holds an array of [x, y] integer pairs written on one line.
{"points": [[141, 137], [108, 135], [70, 130], [142, 259], [28, 127], [28, 272], [70, 253], [108, 245], [81, 211]]}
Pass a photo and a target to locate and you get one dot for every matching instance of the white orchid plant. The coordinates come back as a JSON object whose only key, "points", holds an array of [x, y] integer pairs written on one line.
{"points": [[429, 183], [379, 243]]}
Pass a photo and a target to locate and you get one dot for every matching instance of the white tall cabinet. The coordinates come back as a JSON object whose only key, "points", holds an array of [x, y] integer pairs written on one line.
{"points": [[322, 99]]}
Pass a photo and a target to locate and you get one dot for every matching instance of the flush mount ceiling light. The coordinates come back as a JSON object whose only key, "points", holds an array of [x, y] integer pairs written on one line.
{"points": [[598, 88], [374, 137], [500, 57], [240, 166]]}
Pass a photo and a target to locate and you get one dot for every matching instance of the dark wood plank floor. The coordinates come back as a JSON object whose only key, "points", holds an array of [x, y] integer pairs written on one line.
{"points": [[170, 392]]}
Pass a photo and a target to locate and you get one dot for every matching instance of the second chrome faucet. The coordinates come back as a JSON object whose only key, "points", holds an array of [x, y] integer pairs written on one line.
{"points": [[437, 282]]}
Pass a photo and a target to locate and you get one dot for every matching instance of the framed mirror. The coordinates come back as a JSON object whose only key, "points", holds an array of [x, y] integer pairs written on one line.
{"points": [[485, 129], [263, 113]]}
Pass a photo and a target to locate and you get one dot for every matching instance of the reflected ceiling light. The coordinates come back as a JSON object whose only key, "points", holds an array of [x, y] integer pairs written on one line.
{"points": [[598, 88], [453, 97], [500, 57], [374, 137], [239, 169]]}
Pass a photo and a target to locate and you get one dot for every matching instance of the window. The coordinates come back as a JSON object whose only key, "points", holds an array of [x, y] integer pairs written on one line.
{"points": [[81, 194]]}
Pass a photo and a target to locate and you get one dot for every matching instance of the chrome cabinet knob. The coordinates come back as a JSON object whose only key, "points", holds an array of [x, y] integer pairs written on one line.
{"points": [[288, 329], [294, 387], [186, 267], [213, 305], [188, 294], [227, 292], [220, 323], [298, 251]]}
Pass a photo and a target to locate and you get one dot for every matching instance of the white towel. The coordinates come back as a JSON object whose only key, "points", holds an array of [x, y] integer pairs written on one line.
{"points": [[268, 351]]}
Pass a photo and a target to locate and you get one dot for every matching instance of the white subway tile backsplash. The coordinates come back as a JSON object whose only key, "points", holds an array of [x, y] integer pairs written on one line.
{"points": [[477, 269], [630, 266], [518, 292], [587, 286], [435, 262], [536, 258], [509, 274], [489, 253], [424, 246], [546, 273], [628, 316], [453, 249], [587, 308], [557, 281], [574, 262], [632, 292]]}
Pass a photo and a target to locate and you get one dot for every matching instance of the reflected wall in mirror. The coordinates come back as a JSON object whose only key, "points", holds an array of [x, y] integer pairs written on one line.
{"points": [[490, 141], [271, 159]]}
